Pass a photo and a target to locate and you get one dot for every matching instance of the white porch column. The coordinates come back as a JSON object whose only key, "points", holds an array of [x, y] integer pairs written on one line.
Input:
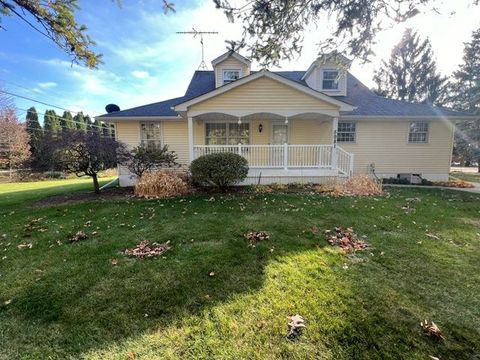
{"points": [[190, 139], [334, 143]]}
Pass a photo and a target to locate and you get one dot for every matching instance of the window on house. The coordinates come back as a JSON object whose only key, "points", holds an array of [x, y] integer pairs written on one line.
{"points": [[227, 133], [346, 131], [150, 135], [418, 132], [330, 80], [230, 75]]}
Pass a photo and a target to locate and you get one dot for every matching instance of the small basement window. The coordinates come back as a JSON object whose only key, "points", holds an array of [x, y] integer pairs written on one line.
{"points": [[230, 76], [346, 131], [418, 133], [150, 135], [330, 80]]}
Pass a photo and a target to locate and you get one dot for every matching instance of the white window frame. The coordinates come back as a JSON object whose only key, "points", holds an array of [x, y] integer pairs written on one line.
{"points": [[335, 81], [354, 132], [143, 141], [227, 124], [426, 132], [224, 82]]}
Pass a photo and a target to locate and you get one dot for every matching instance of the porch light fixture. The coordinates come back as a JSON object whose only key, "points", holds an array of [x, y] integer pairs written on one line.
{"points": [[260, 128], [239, 120], [286, 120]]}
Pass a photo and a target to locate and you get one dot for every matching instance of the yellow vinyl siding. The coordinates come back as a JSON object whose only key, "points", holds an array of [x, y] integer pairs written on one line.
{"points": [[310, 132], [385, 143], [263, 95], [127, 132], [230, 64], [175, 136]]}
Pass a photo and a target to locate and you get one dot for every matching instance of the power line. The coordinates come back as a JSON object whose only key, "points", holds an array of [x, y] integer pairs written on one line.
{"points": [[30, 89], [38, 101]]}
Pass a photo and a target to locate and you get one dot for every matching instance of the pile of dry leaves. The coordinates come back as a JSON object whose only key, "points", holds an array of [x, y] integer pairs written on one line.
{"points": [[256, 236], [161, 184], [80, 235], [145, 250], [359, 185], [457, 183], [346, 239]]}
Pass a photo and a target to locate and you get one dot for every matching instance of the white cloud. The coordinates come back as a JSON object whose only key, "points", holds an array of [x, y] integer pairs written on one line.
{"points": [[47, 85], [139, 74]]}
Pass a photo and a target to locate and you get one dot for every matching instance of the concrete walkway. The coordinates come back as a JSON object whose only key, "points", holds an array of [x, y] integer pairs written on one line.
{"points": [[475, 190]]}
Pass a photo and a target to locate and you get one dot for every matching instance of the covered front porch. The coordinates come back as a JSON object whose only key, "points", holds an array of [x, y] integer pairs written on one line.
{"points": [[275, 144]]}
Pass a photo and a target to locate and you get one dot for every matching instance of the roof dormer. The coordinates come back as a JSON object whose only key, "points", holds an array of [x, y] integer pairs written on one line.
{"points": [[328, 74], [229, 67]]}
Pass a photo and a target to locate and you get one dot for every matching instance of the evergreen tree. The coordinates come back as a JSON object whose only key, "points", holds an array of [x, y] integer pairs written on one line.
{"points": [[66, 121], [88, 122], [97, 125], [80, 122], [51, 123], [411, 72], [34, 129], [466, 97]]}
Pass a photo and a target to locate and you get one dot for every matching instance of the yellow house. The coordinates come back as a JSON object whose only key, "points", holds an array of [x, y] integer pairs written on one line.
{"points": [[294, 126]]}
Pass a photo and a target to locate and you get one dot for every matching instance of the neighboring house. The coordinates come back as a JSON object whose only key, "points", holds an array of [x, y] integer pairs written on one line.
{"points": [[294, 126]]}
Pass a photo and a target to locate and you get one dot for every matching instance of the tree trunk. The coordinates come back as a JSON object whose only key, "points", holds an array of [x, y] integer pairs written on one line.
{"points": [[96, 186]]}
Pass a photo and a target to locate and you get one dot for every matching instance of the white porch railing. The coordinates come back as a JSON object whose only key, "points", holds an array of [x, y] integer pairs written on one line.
{"points": [[285, 156]]}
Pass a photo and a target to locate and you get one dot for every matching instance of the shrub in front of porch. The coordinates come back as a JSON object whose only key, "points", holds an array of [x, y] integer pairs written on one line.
{"points": [[221, 169]]}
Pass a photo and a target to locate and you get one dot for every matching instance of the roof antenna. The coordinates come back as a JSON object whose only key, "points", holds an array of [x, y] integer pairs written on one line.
{"points": [[195, 32]]}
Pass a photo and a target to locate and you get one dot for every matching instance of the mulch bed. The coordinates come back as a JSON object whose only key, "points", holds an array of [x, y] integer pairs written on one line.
{"points": [[79, 197]]}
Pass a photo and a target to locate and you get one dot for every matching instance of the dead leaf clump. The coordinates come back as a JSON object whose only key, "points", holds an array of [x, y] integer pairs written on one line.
{"points": [[431, 329], [256, 236], [295, 325], [161, 184], [359, 185], [346, 239], [145, 250], [457, 183], [80, 235]]}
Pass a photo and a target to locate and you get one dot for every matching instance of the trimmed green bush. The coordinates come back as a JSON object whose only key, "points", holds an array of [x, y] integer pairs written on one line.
{"points": [[221, 169]]}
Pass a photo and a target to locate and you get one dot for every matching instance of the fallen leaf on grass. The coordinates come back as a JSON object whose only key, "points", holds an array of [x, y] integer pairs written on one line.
{"points": [[25, 246], [211, 274], [431, 329], [114, 262], [295, 324], [432, 236]]}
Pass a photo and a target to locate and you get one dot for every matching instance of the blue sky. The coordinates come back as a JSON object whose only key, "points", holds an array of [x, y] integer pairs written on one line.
{"points": [[145, 61]]}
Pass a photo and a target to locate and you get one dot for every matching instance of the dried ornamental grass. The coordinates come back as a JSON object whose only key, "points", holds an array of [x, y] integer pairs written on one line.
{"points": [[160, 184], [358, 185]]}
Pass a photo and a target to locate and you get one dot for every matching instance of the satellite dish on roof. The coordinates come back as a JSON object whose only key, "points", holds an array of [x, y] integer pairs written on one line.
{"points": [[111, 108]]}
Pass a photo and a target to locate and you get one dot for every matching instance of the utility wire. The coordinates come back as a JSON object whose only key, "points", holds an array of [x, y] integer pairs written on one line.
{"points": [[38, 101], [30, 90]]}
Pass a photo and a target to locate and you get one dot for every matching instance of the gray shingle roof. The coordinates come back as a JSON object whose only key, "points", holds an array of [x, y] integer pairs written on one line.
{"points": [[358, 95]]}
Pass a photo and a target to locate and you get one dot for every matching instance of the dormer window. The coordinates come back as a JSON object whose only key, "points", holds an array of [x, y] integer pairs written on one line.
{"points": [[230, 75], [330, 80]]}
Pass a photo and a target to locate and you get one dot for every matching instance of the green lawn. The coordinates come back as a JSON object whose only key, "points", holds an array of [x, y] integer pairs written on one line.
{"points": [[473, 177], [68, 301]]}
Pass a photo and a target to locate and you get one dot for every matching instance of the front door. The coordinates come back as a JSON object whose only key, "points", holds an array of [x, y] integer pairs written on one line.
{"points": [[279, 137], [279, 134]]}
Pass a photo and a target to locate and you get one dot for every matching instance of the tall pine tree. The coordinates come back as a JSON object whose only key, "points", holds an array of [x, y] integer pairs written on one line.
{"points": [[34, 129], [66, 121], [466, 97], [51, 123], [80, 123], [411, 72]]}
